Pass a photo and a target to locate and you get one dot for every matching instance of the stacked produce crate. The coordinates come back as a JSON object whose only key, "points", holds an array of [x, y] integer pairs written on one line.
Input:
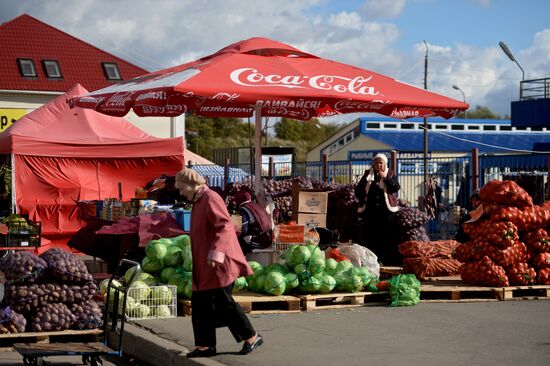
{"points": [[309, 207]]}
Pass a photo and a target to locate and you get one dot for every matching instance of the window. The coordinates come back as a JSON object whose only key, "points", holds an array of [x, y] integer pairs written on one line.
{"points": [[490, 128], [440, 127], [457, 127], [506, 128], [111, 71], [407, 126], [373, 125], [390, 125], [26, 67], [51, 69], [473, 127]]}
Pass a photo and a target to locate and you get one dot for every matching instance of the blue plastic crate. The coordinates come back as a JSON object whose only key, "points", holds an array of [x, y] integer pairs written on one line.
{"points": [[183, 217]]}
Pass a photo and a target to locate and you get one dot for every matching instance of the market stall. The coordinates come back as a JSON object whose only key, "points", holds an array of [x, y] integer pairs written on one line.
{"points": [[62, 155]]}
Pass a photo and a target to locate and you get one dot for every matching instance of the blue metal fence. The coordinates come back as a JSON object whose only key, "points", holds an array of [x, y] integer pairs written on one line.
{"points": [[452, 175]]}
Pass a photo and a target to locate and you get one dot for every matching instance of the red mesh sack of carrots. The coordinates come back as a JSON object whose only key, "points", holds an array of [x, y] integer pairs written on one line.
{"points": [[428, 249], [431, 267], [505, 192], [502, 234], [335, 254], [484, 272], [291, 233]]}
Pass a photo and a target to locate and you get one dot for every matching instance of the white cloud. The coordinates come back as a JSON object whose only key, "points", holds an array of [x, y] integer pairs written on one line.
{"points": [[164, 33], [345, 20], [388, 9]]}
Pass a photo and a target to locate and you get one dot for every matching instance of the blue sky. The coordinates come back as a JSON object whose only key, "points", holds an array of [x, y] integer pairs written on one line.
{"points": [[385, 36]]}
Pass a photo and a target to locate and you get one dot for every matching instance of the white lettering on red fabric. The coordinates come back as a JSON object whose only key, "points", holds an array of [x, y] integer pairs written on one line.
{"points": [[157, 95], [248, 76], [226, 96], [169, 108], [343, 105], [404, 113], [222, 109], [119, 99], [299, 103]]}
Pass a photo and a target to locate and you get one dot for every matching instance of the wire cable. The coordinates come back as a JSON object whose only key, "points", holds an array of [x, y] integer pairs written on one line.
{"points": [[483, 144]]}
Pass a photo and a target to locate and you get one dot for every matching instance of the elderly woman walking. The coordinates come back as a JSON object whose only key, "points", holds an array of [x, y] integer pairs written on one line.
{"points": [[217, 262], [377, 202]]}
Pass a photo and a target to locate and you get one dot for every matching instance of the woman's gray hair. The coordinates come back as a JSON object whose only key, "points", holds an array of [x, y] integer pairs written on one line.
{"points": [[190, 177]]}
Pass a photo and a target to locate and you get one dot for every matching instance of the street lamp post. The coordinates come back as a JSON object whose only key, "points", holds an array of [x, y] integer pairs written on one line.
{"points": [[512, 58], [426, 124], [463, 96]]}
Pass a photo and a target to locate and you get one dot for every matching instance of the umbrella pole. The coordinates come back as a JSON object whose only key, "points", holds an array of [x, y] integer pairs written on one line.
{"points": [[258, 148]]}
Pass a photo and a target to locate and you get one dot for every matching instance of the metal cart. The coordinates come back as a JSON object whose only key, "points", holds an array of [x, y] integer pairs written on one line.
{"points": [[91, 352]]}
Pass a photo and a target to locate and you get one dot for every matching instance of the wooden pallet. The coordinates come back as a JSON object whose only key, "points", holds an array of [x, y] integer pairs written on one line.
{"points": [[460, 293], [451, 288], [539, 292], [389, 272], [254, 303], [343, 300], [7, 340]]}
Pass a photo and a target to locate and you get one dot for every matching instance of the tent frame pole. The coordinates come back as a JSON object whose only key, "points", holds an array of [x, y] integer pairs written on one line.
{"points": [[13, 192], [258, 148]]}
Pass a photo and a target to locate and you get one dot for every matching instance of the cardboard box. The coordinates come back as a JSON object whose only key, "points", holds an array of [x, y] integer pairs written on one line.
{"points": [[318, 220], [311, 201]]}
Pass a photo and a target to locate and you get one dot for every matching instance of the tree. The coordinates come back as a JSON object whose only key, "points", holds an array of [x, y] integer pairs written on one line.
{"points": [[214, 133], [480, 112], [289, 129]]}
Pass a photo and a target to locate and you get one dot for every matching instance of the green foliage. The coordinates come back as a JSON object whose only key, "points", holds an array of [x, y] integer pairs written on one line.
{"points": [[5, 181], [480, 112], [216, 133]]}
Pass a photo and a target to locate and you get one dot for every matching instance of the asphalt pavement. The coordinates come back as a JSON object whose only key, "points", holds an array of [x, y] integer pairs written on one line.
{"points": [[477, 333], [482, 333]]}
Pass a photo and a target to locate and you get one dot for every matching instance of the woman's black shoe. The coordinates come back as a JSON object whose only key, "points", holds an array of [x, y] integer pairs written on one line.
{"points": [[249, 347], [209, 352]]}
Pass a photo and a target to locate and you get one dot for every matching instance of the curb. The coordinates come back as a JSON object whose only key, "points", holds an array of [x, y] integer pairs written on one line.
{"points": [[157, 351]]}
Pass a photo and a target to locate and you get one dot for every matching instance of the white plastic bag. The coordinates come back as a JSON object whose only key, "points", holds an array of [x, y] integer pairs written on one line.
{"points": [[368, 259]]}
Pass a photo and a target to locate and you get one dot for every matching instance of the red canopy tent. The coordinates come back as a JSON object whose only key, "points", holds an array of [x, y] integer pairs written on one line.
{"points": [[61, 155]]}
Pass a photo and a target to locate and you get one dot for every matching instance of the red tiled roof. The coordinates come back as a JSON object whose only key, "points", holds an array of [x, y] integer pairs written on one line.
{"points": [[79, 62]]}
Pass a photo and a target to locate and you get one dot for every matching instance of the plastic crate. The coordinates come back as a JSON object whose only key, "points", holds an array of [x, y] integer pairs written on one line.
{"points": [[22, 235], [161, 302], [183, 217]]}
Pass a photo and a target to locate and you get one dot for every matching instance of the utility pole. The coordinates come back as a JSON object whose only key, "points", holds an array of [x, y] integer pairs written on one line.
{"points": [[426, 123]]}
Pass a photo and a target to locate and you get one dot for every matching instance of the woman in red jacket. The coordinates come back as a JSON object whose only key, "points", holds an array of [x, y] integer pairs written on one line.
{"points": [[217, 262]]}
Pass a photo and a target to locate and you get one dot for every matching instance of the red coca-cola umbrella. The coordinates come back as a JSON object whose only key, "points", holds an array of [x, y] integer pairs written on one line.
{"points": [[268, 78]]}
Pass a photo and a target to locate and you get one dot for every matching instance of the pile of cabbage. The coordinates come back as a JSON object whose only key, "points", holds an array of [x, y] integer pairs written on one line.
{"points": [[167, 262], [306, 270]]}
